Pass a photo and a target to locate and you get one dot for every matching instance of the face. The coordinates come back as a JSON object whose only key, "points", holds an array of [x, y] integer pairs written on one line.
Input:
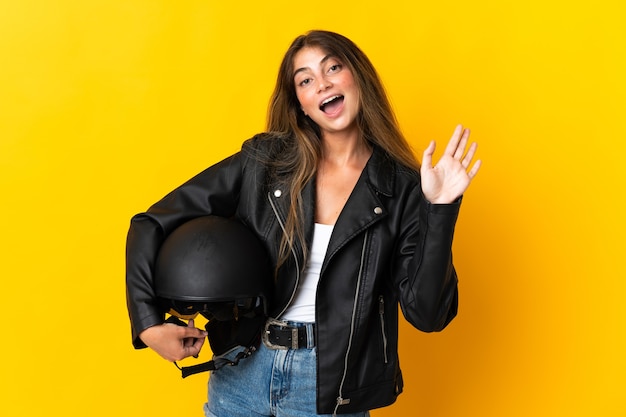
{"points": [[326, 91]]}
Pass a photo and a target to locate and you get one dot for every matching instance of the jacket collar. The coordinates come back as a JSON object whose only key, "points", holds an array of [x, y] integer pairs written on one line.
{"points": [[381, 172]]}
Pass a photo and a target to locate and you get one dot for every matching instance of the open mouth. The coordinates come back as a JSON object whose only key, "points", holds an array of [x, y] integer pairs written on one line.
{"points": [[331, 104]]}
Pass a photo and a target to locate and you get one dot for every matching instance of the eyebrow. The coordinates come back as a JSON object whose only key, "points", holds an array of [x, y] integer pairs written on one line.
{"points": [[326, 58]]}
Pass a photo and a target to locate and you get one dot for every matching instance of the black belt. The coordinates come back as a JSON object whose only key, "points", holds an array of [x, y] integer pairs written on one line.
{"points": [[280, 335]]}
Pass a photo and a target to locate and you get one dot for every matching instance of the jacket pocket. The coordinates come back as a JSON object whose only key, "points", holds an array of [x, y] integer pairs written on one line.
{"points": [[383, 330]]}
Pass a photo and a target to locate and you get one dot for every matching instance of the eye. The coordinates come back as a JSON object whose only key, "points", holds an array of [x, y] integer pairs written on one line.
{"points": [[334, 68]]}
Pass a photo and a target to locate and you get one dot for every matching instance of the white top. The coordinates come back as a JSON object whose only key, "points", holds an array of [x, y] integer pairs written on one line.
{"points": [[302, 308]]}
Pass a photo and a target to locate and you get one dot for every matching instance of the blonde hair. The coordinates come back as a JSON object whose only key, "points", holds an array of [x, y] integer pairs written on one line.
{"points": [[376, 121]]}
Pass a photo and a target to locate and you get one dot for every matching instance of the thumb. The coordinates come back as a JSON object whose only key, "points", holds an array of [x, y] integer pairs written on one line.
{"points": [[427, 157], [193, 346]]}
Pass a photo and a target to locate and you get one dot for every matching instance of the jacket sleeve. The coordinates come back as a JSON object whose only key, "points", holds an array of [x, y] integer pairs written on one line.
{"points": [[213, 191], [428, 290]]}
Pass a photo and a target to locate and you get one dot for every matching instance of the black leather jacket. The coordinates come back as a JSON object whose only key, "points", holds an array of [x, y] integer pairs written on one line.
{"points": [[389, 245]]}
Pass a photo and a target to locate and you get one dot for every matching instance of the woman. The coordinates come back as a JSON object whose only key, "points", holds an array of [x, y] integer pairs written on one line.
{"points": [[352, 224]]}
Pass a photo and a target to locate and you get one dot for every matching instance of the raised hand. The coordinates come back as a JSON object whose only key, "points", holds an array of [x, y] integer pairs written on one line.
{"points": [[449, 178]]}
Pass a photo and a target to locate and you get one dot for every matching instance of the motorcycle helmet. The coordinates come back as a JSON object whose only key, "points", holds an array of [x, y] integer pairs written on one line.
{"points": [[213, 266]]}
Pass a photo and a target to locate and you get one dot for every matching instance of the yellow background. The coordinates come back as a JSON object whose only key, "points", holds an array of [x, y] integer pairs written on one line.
{"points": [[107, 105]]}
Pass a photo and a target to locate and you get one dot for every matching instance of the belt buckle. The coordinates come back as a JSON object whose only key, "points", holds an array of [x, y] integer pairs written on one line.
{"points": [[266, 331]]}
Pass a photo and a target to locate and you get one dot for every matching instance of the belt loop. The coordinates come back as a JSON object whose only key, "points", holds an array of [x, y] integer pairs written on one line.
{"points": [[310, 339], [294, 338]]}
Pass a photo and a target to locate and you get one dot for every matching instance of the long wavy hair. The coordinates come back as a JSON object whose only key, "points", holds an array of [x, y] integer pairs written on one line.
{"points": [[376, 121]]}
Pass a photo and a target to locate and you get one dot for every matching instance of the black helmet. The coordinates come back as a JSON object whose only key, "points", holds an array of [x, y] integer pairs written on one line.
{"points": [[213, 266], [216, 267]]}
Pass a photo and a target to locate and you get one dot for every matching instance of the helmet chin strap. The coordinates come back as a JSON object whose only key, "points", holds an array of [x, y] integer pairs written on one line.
{"points": [[214, 364]]}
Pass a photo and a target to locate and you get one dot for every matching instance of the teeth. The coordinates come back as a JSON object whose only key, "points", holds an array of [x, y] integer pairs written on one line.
{"points": [[329, 99]]}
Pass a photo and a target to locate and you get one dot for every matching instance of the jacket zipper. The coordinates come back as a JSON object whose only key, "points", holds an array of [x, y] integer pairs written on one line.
{"points": [[340, 399], [381, 313], [293, 252]]}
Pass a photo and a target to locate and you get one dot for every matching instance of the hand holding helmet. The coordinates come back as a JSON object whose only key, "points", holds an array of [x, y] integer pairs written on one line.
{"points": [[173, 342]]}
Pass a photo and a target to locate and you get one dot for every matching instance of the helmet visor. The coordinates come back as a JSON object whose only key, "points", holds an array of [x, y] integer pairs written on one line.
{"points": [[218, 310]]}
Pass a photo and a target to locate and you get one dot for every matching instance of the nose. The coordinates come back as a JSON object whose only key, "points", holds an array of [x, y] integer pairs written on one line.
{"points": [[324, 84]]}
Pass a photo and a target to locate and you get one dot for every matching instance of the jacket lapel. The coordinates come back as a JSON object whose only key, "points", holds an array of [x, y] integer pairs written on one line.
{"points": [[364, 206]]}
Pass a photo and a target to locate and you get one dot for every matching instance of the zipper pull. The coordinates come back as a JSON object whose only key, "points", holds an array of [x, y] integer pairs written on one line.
{"points": [[343, 401]]}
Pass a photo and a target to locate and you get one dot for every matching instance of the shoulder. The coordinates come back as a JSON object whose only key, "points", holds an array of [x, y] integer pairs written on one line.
{"points": [[266, 145], [407, 174], [274, 152], [388, 175]]}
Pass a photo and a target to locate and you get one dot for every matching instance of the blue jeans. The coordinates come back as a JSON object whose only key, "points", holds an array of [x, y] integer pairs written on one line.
{"points": [[278, 383]]}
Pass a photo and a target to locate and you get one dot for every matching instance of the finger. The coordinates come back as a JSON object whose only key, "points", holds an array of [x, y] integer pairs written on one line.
{"points": [[427, 157], [472, 173], [198, 344], [194, 348], [453, 143], [192, 343], [188, 346], [460, 149], [192, 332], [467, 160], [188, 341]]}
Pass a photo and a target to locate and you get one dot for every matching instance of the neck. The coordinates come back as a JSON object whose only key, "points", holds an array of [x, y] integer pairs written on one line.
{"points": [[344, 149]]}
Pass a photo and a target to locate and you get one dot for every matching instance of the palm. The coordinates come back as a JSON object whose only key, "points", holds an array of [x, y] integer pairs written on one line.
{"points": [[449, 178]]}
